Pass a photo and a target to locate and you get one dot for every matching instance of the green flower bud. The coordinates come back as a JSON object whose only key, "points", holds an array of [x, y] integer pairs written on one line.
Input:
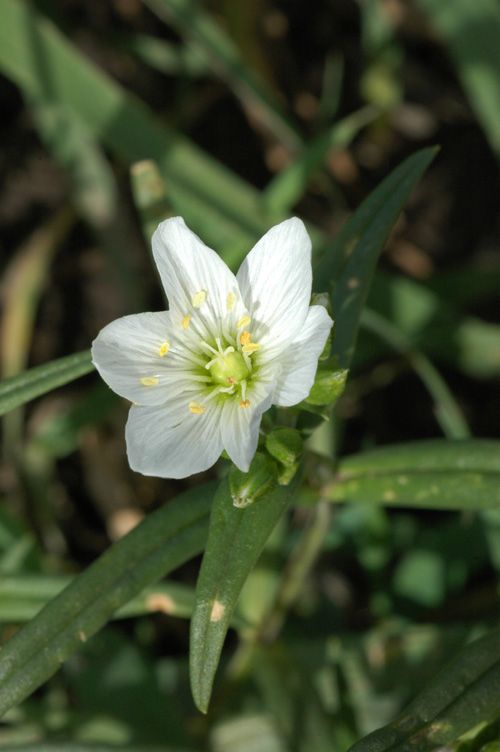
{"points": [[261, 478], [285, 445], [287, 473], [328, 386]]}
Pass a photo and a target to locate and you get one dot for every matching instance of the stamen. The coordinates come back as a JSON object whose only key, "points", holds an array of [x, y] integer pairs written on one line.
{"points": [[244, 321], [227, 389], [185, 321], [196, 408], [243, 386], [149, 380], [199, 298], [230, 301], [245, 403], [245, 337], [251, 347], [164, 348], [228, 350], [209, 347]]}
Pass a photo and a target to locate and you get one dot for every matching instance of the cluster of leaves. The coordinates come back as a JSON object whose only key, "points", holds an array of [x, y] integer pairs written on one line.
{"points": [[276, 692]]}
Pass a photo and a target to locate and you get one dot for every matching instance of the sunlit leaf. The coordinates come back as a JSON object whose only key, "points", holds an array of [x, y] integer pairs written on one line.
{"points": [[235, 541], [165, 539]]}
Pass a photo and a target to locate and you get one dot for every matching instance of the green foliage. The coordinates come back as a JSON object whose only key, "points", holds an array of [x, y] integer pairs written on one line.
{"points": [[428, 474], [404, 534], [351, 260], [464, 694], [236, 539], [21, 389], [161, 543]]}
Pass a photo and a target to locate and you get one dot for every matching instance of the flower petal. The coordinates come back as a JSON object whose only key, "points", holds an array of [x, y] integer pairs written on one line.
{"points": [[275, 281], [240, 426], [139, 358], [196, 280], [156, 447], [300, 360]]}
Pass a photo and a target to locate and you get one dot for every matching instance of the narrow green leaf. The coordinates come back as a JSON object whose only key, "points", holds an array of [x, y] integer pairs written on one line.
{"points": [[223, 56], [448, 411], [23, 596], [288, 186], [352, 258], [464, 694], [235, 541], [165, 57], [471, 32], [432, 474], [150, 196], [164, 540], [21, 389], [433, 326], [37, 57]]}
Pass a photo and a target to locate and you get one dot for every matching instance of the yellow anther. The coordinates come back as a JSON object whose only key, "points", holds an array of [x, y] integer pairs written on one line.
{"points": [[251, 347], [244, 321], [199, 298], [185, 321], [196, 408], [230, 301], [245, 403], [150, 380], [245, 338], [163, 349]]}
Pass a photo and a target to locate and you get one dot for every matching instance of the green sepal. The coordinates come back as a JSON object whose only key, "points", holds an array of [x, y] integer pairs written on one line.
{"points": [[261, 478], [328, 385], [286, 473], [285, 445]]}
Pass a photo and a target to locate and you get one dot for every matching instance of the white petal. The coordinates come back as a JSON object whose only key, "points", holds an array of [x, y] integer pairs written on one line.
{"points": [[300, 360], [188, 268], [127, 351], [155, 447], [275, 282], [240, 427]]}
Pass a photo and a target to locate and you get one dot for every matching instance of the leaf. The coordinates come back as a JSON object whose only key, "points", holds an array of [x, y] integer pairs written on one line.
{"points": [[36, 381], [150, 196], [350, 261], [36, 56], [433, 326], [464, 694], [235, 541], [23, 596], [471, 32], [24, 279], [286, 189], [448, 411], [224, 57], [434, 474], [165, 539]]}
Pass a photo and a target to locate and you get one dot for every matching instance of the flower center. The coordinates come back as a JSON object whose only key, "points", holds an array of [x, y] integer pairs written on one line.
{"points": [[229, 369]]}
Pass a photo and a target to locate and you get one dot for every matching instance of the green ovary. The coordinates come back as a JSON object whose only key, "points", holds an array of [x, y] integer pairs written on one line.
{"points": [[229, 369]]}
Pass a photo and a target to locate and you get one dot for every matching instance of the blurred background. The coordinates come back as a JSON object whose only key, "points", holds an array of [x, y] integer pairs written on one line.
{"points": [[236, 114]]}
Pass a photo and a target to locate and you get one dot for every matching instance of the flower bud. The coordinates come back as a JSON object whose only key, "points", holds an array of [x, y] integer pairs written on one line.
{"points": [[328, 386], [285, 445], [245, 488]]}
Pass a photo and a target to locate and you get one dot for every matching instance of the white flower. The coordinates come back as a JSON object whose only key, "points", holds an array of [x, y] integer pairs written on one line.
{"points": [[201, 374]]}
